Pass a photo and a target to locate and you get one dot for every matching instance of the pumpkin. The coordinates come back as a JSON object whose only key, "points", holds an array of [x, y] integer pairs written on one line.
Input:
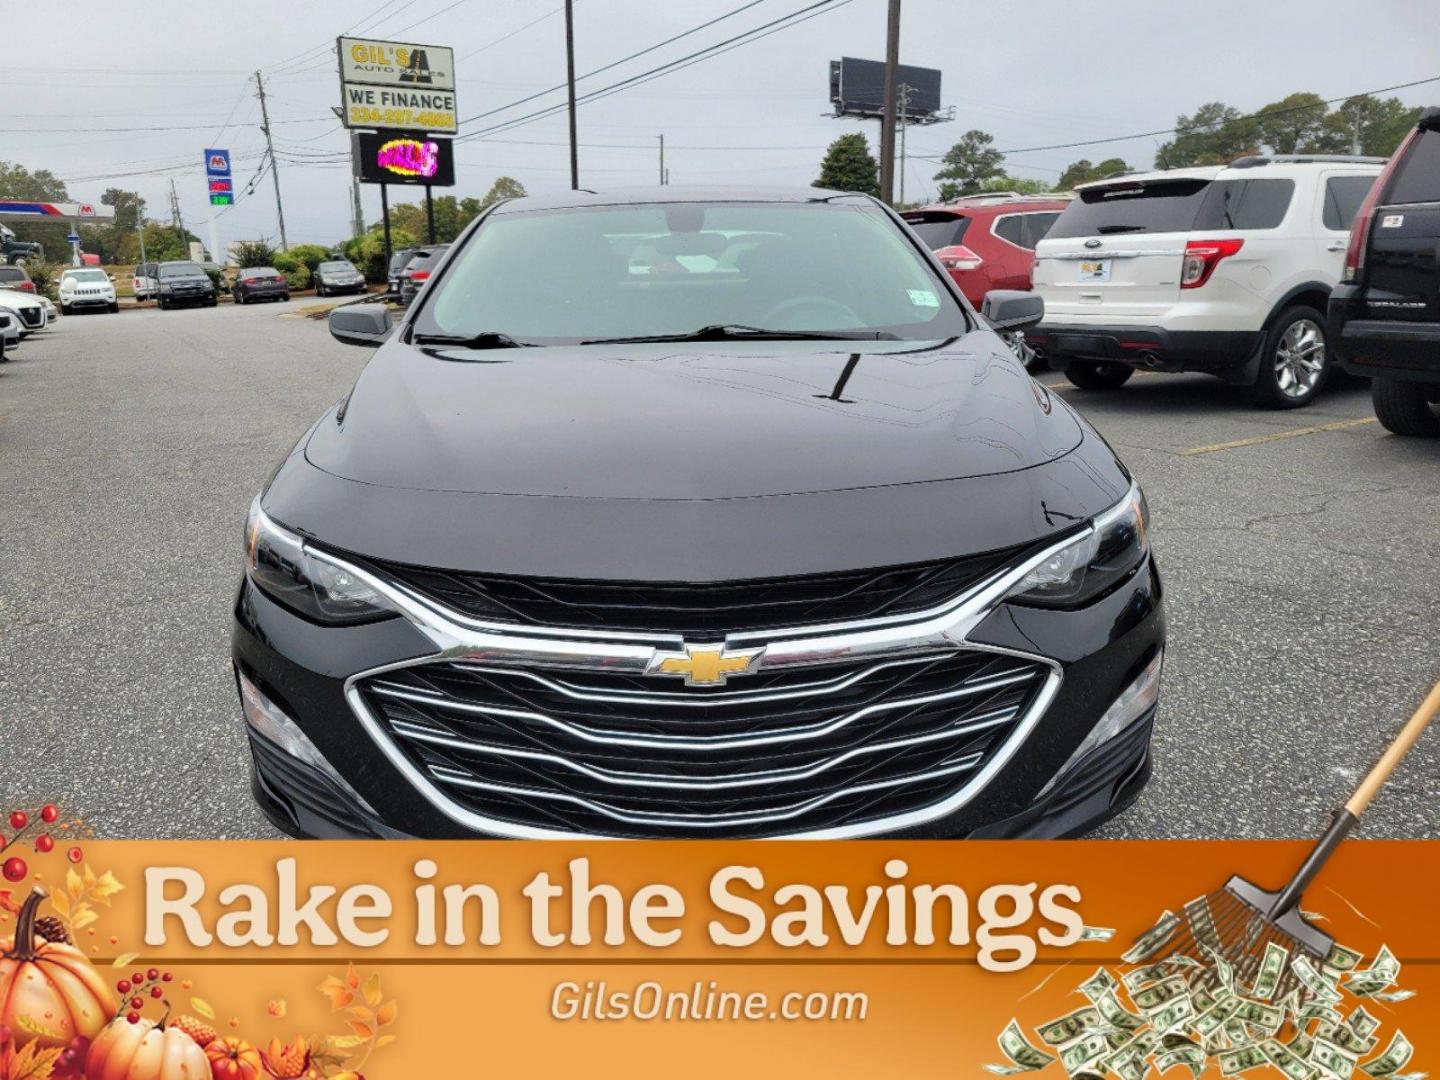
{"points": [[49, 993], [145, 1051], [233, 1059]]}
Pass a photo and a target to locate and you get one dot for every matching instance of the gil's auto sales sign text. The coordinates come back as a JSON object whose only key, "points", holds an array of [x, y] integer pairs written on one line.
{"points": [[391, 84]]}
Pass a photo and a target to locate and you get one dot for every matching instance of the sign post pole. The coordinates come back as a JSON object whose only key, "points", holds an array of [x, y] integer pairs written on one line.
{"points": [[429, 216], [385, 216]]}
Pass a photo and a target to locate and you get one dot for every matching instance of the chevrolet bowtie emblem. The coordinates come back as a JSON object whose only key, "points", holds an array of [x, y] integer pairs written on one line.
{"points": [[705, 665]]}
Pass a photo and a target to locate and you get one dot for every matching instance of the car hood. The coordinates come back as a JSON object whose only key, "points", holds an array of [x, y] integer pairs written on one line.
{"points": [[691, 422], [13, 300]]}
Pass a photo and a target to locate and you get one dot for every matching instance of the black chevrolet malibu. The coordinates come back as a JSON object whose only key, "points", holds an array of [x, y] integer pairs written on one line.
{"points": [[697, 514]]}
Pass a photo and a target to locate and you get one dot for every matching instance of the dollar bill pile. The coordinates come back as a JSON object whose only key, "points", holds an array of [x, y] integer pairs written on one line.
{"points": [[1198, 1012]]}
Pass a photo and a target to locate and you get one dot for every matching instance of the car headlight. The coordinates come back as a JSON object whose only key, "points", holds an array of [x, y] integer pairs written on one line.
{"points": [[282, 566], [1094, 561]]}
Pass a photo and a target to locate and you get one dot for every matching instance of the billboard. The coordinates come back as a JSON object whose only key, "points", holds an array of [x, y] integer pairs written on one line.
{"points": [[402, 157], [392, 84], [857, 88]]}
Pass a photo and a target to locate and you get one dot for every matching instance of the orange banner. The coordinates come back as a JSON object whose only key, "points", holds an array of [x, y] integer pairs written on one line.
{"points": [[697, 959]]}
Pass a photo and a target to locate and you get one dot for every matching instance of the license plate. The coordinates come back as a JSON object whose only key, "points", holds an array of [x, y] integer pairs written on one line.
{"points": [[1095, 270]]}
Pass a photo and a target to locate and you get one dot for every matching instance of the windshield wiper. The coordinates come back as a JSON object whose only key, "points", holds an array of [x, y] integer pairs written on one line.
{"points": [[486, 339], [1120, 228], [739, 331]]}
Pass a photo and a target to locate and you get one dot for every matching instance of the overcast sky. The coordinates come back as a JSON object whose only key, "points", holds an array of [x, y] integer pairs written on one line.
{"points": [[1033, 74]]}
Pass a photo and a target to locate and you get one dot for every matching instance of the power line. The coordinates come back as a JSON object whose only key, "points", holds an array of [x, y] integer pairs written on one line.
{"points": [[1233, 120], [784, 22], [164, 127], [616, 63], [533, 22]]}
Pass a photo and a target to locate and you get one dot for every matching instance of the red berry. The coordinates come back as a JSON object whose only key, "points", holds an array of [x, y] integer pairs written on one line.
{"points": [[75, 854], [138, 978], [44, 843], [49, 814], [152, 974], [133, 1017], [166, 977], [19, 819], [156, 992], [123, 986], [137, 1003], [14, 869]]}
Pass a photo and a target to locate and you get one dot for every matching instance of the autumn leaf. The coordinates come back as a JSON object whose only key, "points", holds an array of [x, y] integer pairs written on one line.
{"points": [[203, 1007], [124, 959], [106, 887], [386, 1013], [352, 977], [277, 1008], [82, 918], [384, 1040], [35, 1027], [372, 989], [33, 1063], [339, 994], [361, 1013], [59, 901], [73, 885], [88, 876], [343, 1042], [365, 1031]]}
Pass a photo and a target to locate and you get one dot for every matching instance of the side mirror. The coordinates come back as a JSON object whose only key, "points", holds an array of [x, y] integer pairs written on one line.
{"points": [[1010, 309], [367, 325]]}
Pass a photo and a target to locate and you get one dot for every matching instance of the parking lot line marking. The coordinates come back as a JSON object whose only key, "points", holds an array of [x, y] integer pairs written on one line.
{"points": [[1256, 440]]}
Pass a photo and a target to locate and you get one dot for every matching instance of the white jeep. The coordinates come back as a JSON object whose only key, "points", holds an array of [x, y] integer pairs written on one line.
{"points": [[1221, 269]]}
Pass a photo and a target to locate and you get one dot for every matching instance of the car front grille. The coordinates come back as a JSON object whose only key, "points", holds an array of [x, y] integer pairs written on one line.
{"points": [[32, 317], [701, 610], [792, 750]]}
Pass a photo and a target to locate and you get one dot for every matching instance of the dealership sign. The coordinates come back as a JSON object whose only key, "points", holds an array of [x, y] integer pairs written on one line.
{"points": [[391, 84], [403, 157]]}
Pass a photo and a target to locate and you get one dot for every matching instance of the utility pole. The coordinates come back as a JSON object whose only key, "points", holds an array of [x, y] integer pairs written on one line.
{"points": [[179, 224], [274, 165], [904, 109], [662, 160], [570, 80], [887, 130], [358, 218]]}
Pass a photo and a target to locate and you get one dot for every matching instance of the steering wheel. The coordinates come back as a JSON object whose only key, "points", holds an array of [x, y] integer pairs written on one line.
{"points": [[847, 314]]}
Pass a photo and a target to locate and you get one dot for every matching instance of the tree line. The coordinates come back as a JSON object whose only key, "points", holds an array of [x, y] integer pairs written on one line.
{"points": [[1214, 134], [118, 242]]}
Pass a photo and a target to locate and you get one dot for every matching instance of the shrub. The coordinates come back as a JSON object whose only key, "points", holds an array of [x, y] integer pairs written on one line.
{"points": [[368, 253], [44, 275], [297, 274], [253, 253], [311, 255]]}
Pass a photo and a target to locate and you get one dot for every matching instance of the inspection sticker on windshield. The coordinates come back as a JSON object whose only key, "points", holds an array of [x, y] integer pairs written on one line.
{"points": [[1392, 221], [1095, 270], [923, 298]]}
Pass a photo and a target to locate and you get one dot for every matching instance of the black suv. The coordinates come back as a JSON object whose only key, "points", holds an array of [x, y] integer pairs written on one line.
{"points": [[1385, 313], [183, 283]]}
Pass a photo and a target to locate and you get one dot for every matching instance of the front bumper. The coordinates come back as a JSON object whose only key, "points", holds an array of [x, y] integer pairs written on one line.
{"points": [[1143, 346], [87, 301], [187, 296], [1098, 651]]}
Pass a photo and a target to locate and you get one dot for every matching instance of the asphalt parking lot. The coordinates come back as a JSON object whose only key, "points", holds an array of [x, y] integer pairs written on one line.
{"points": [[1300, 551]]}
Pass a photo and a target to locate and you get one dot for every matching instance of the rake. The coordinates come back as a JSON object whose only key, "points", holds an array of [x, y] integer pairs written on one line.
{"points": [[1237, 922]]}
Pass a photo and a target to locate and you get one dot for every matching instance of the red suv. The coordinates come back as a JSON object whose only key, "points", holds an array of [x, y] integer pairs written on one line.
{"points": [[987, 241]]}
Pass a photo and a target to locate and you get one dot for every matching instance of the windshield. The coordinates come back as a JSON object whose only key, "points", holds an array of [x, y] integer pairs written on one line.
{"points": [[334, 267], [86, 275], [938, 230], [586, 274], [1155, 206], [181, 270]]}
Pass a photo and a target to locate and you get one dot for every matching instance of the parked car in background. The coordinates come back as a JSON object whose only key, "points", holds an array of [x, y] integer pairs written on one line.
{"points": [[1385, 313], [15, 252], [418, 270], [398, 261], [260, 283], [9, 333], [86, 288], [987, 241], [17, 278], [143, 282], [338, 276], [29, 311], [183, 282], [1220, 269]]}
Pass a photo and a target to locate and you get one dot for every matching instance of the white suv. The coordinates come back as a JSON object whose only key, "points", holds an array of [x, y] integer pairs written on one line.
{"points": [[1222, 269], [86, 287]]}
